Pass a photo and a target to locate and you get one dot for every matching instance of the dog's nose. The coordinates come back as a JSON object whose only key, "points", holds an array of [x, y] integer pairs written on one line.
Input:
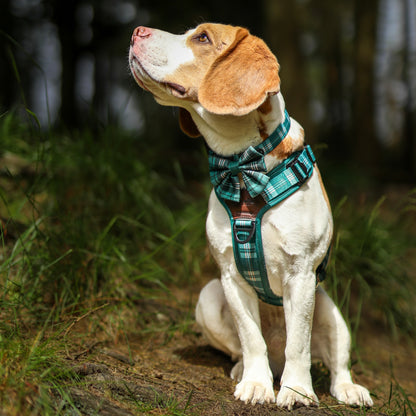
{"points": [[142, 32]]}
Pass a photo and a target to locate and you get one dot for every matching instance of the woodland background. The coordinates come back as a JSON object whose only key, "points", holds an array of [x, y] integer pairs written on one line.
{"points": [[348, 68], [103, 202]]}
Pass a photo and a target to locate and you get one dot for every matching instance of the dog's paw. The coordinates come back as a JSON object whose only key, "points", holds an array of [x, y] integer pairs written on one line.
{"points": [[288, 397], [352, 394], [254, 392], [237, 371]]}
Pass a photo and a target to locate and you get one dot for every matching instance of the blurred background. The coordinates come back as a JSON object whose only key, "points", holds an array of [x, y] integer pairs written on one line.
{"points": [[103, 199], [348, 69]]}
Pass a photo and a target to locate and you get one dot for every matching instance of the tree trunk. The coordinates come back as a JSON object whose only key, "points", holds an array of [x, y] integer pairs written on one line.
{"points": [[409, 147], [282, 35], [365, 146], [9, 86], [66, 23]]}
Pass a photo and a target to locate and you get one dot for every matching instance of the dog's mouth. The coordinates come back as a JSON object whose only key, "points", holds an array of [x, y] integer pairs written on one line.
{"points": [[176, 89], [140, 75], [138, 71]]}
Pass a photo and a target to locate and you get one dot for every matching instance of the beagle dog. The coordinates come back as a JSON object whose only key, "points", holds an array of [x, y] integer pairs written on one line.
{"points": [[226, 84]]}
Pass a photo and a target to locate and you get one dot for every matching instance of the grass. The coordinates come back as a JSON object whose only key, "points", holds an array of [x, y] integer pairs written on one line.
{"points": [[91, 227], [370, 266], [83, 226]]}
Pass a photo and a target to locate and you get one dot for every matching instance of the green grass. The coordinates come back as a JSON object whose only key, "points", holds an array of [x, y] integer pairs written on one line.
{"points": [[370, 271], [92, 226], [85, 223]]}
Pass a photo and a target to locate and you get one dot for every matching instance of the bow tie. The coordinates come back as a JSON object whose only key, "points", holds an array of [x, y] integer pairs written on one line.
{"points": [[224, 171]]}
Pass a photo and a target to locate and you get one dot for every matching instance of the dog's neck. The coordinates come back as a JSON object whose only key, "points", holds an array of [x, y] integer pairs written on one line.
{"points": [[227, 135]]}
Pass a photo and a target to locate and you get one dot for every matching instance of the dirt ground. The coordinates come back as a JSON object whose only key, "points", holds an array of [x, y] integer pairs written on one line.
{"points": [[178, 373]]}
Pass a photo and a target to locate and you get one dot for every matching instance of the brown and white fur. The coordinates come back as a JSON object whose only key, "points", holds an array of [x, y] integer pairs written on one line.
{"points": [[227, 86]]}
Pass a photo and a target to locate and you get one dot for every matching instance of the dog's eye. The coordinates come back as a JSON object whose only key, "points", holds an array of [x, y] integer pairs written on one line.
{"points": [[202, 38]]}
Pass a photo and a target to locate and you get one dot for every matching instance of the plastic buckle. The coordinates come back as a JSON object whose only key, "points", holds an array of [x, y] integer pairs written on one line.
{"points": [[299, 170], [250, 228]]}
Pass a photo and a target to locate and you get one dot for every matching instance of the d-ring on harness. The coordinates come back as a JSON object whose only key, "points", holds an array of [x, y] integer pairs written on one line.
{"points": [[263, 190]]}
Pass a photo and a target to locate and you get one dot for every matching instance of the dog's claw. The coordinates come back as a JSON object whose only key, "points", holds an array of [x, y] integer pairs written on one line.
{"points": [[352, 394], [288, 397], [254, 392]]}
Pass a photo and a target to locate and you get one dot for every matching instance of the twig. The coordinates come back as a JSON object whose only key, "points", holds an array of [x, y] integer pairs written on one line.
{"points": [[80, 318], [84, 351]]}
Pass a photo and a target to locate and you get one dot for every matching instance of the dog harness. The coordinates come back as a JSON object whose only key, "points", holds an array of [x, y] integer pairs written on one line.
{"points": [[263, 190]]}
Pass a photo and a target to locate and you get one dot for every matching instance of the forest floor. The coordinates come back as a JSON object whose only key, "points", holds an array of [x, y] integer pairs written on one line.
{"points": [[93, 324], [177, 373]]}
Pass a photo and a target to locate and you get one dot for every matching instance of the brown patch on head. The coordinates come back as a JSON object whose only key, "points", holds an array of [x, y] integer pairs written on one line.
{"points": [[207, 42], [232, 73], [241, 78], [211, 39]]}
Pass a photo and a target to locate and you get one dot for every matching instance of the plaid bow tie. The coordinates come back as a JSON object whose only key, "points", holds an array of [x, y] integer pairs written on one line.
{"points": [[224, 173]]}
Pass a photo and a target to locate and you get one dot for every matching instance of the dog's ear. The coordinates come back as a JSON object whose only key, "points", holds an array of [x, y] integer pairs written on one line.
{"points": [[186, 123], [241, 78]]}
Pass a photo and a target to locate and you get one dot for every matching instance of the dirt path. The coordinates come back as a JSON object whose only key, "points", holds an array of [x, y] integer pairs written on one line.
{"points": [[176, 373]]}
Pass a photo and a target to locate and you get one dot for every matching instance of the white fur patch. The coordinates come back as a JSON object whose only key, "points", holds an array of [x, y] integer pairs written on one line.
{"points": [[162, 53]]}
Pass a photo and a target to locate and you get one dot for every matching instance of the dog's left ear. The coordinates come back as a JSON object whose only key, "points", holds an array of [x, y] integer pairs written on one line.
{"points": [[241, 78], [187, 124]]}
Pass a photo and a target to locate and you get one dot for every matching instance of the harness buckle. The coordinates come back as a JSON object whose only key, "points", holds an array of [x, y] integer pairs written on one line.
{"points": [[247, 227], [299, 170]]}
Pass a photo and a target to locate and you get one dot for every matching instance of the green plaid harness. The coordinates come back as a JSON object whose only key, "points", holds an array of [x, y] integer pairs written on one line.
{"points": [[223, 171], [260, 195]]}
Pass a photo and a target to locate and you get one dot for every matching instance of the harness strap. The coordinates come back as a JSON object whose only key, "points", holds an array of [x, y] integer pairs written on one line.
{"points": [[248, 245], [246, 218], [289, 176]]}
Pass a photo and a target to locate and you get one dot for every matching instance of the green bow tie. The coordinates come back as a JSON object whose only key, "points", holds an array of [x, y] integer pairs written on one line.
{"points": [[224, 171]]}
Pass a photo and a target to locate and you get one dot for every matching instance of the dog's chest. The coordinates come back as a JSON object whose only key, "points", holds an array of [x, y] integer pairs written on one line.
{"points": [[294, 227]]}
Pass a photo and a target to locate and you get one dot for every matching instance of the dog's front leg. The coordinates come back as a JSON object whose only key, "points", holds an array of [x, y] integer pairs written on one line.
{"points": [[256, 385], [296, 383]]}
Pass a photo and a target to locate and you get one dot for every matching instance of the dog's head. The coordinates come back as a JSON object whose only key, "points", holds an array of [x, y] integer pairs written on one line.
{"points": [[224, 69]]}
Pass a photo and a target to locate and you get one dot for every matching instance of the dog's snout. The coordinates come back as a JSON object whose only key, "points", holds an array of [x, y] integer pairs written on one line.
{"points": [[140, 32]]}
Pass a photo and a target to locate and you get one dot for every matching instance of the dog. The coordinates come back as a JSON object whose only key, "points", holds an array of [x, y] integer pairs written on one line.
{"points": [[226, 84]]}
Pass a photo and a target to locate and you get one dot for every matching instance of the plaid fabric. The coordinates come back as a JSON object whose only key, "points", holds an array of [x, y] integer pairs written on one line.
{"points": [[289, 176], [285, 179], [276, 137], [250, 259], [273, 186], [224, 171]]}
